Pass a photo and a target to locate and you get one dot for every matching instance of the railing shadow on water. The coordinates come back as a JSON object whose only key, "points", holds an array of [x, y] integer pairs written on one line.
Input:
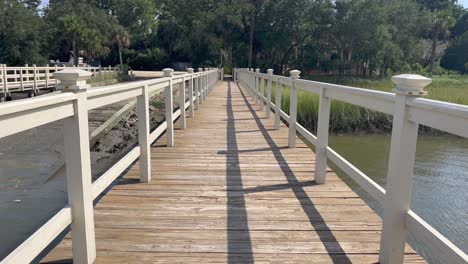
{"points": [[331, 244]]}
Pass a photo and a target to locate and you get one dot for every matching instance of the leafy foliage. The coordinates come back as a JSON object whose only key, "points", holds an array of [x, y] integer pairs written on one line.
{"points": [[365, 37]]}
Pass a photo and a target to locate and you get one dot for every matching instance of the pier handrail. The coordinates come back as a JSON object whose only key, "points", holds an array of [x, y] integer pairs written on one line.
{"points": [[408, 111], [34, 77], [72, 105]]}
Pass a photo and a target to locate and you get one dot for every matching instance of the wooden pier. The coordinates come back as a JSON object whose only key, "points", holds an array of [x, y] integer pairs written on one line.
{"points": [[232, 191]]}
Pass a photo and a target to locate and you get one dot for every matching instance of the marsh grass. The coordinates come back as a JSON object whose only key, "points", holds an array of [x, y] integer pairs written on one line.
{"points": [[347, 118]]}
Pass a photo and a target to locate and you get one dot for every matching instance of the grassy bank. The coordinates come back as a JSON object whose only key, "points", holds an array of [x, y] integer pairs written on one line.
{"points": [[103, 79], [347, 118]]}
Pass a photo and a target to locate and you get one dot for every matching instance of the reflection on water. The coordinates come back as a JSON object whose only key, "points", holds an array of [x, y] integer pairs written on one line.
{"points": [[439, 184]]}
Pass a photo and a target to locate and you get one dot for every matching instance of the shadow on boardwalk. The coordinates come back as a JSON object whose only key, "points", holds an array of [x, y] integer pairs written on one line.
{"points": [[329, 241], [237, 223]]}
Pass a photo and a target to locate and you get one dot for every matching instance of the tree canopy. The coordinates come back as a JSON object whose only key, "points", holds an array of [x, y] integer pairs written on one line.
{"points": [[343, 36]]}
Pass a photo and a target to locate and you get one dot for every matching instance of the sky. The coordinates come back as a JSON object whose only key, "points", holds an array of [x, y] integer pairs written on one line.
{"points": [[462, 2]]}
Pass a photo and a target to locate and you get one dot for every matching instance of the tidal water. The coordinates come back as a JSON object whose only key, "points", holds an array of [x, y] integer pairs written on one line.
{"points": [[440, 181]]}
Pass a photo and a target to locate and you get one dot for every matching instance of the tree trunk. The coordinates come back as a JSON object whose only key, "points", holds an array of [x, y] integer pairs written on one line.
{"points": [[435, 35], [229, 59], [251, 38], [120, 54], [75, 57], [341, 68], [221, 58]]}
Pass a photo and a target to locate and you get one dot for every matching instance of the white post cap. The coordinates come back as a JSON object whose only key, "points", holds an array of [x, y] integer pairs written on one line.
{"points": [[411, 84], [251, 69], [200, 69], [72, 79], [168, 72], [205, 69], [270, 71], [295, 74], [190, 70], [257, 70]]}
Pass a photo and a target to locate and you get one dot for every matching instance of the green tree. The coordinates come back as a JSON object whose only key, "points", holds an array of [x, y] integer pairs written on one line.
{"points": [[456, 56], [121, 39], [442, 22], [78, 25], [21, 33]]}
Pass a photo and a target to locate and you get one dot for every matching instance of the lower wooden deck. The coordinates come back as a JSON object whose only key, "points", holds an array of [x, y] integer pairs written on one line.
{"points": [[231, 191]]}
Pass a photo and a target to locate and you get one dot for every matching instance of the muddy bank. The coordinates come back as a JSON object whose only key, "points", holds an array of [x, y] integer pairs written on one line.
{"points": [[119, 140]]}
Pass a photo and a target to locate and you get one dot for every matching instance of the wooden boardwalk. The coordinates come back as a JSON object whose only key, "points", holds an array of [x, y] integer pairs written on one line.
{"points": [[231, 191]]}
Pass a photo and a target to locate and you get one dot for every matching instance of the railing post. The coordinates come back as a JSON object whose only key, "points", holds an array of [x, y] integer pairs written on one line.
{"points": [[262, 92], [5, 82], [268, 108], [200, 86], [206, 81], [196, 83], [191, 107], [169, 108], [295, 74], [323, 125], [278, 104], [56, 80], [252, 84], [257, 86], [143, 134], [21, 79], [400, 169], [47, 76], [183, 121], [78, 166], [35, 89]]}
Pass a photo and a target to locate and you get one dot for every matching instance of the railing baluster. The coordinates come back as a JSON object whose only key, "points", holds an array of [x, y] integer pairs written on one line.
{"points": [[268, 108], [78, 167], [323, 125], [295, 74], [278, 98], [143, 134], [400, 170], [169, 108]]}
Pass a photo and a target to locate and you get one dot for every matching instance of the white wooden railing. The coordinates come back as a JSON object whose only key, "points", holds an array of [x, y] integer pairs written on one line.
{"points": [[32, 78], [72, 105], [408, 110]]}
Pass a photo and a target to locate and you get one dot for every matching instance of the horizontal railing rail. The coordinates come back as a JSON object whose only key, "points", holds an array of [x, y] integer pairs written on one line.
{"points": [[72, 106], [33, 79], [408, 111]]}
